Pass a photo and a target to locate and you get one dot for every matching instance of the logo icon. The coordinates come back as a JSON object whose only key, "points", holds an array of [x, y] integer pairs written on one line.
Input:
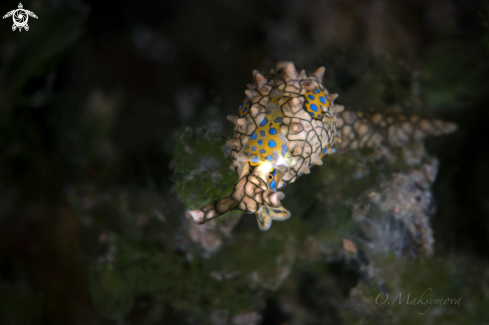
{"points": [[20, 17]]}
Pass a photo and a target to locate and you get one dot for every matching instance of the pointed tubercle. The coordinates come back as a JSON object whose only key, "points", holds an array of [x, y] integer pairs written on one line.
{"points": [[319, 73]]}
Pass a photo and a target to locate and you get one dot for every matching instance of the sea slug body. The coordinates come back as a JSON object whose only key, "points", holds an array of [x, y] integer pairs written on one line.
{"points": [[286, 124]]}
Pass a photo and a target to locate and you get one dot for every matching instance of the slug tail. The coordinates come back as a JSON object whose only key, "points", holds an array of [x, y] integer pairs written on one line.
{"points": [[358, 130]]}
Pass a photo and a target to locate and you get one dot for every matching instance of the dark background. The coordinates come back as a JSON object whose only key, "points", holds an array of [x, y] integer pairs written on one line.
{"points": [[91, 99]]}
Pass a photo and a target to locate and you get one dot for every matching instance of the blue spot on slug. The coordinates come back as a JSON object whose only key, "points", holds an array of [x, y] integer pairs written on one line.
{"points": [[272, 184], [284, 149]]}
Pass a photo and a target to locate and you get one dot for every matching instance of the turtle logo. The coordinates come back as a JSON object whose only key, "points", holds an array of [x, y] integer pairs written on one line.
{"points": [[20, 17]]}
